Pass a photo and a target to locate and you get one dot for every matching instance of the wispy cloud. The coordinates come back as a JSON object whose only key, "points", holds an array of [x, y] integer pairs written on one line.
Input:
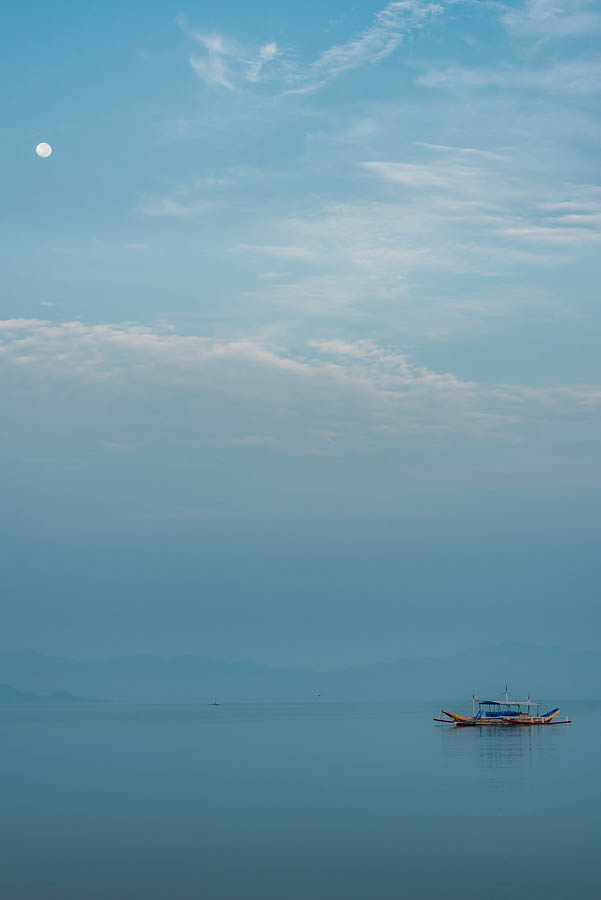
{"points": [[185, 201], [225, 63], [281, 251], [554, 234], [450, 245], [553, 19], [212, 69], [169, 207], [462, 151], [581, 76], [328, 394], [212, 66], [391, 26], [419, 175], [508, 206], [266, 54]]}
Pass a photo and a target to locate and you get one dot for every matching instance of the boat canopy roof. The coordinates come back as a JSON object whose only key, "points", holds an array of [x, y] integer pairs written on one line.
{"points": [[508, 703]]}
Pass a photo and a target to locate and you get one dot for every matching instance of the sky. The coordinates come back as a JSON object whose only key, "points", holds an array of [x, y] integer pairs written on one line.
{"points": [[299, 328]]}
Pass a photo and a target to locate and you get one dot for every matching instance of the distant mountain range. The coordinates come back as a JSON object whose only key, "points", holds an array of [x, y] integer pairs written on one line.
{"points": [[546, 673], [9, 694]]}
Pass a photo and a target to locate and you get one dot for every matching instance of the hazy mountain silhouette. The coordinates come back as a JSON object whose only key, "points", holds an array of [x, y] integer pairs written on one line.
{"points": [[9, 694], [543, 672]]}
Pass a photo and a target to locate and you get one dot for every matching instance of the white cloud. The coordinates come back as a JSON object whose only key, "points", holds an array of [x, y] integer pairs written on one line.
{"points": [[128, 386], [446, 218], [581, 76], [280, 251], [10, 325], [267, 53], [552, 234], [391, 26], [226, 64], [212, 67], [467, 151], [495, 199], [553, 19], [415, 175], [169, 207], [184, 202]]}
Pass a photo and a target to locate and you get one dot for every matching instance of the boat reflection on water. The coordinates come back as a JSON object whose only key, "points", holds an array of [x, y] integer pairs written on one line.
{"points": [[527, 752], [503, 734], [504, 747]]}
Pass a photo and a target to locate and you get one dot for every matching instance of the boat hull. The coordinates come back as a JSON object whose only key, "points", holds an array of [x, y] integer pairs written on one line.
{"points": [[507, 723], [520, 721]]}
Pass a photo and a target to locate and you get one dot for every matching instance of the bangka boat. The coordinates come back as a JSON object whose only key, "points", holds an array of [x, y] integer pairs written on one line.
{"points": [[512, 713]]}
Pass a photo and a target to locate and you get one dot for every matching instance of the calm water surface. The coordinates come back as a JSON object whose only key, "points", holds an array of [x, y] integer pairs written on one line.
{"points": [[295, 802]]}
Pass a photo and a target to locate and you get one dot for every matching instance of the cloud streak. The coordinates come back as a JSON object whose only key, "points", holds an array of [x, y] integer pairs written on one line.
{"points": [[581, 76], [224, 64], [391, 26], [548, 20], [213, 66], [328, 395], [267, 53]]}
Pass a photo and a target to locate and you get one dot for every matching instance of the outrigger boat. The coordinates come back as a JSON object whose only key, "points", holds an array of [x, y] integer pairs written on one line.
{"points": [[503, 712]]}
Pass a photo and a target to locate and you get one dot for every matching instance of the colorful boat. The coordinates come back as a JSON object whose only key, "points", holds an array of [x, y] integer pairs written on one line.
{"points": [[512, 713]]}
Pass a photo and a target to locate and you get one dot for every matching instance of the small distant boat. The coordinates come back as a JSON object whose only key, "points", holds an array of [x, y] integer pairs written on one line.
{"points": [[512, 713]]}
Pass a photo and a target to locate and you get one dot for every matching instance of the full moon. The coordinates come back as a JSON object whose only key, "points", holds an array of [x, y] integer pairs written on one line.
{"points": [[43, 149]]}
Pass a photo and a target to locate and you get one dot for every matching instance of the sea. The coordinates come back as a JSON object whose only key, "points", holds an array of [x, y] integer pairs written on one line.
{"points": [[303, 801]]}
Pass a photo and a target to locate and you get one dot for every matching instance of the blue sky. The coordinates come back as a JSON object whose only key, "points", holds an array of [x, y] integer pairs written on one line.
{"points": [[300, 327]]}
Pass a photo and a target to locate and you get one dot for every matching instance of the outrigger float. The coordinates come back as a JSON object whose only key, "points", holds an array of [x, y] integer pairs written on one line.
{"points": [[503, 712]]}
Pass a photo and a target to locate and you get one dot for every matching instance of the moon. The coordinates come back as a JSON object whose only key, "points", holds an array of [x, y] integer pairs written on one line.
{"points": [[44, 150]]}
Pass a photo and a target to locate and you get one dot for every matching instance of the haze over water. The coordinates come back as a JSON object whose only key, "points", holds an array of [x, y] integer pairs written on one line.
{"points": [[298, 801], [300, 394]]}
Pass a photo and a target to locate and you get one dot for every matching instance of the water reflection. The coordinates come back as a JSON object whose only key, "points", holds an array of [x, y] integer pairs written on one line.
{"points": [[344, 802], [514, 747], [497, 747]]}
